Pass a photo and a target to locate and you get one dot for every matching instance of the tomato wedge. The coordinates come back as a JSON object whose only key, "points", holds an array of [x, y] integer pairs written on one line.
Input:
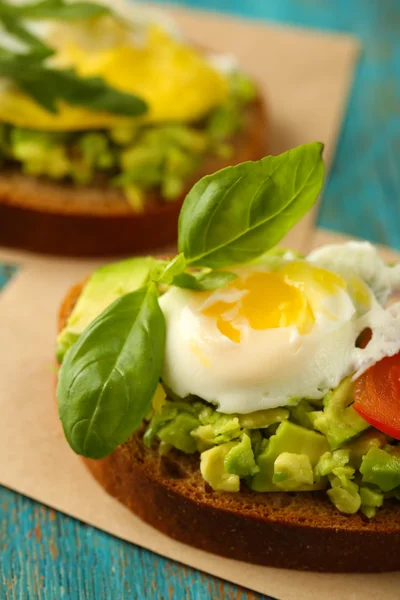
{"points": [[377, 396]]}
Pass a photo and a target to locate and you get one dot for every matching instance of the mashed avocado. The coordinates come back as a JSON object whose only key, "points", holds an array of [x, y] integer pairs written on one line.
{"points": [[135, 158], [312, 445], [270, 451]]}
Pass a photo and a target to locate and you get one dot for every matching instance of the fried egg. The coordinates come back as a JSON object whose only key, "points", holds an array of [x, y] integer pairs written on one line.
{"points": [[137, 51], [282, 330]]}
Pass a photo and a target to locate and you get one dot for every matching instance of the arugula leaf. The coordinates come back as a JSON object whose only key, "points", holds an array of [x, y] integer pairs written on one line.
{"points": [[203, 282], [54, 9], [238, 213], [108, 377], [47, 86], [15, 28]]}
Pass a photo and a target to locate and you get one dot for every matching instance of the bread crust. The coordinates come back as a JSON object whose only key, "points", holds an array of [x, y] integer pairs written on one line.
{"points": [[287, 530], [60, 218]]}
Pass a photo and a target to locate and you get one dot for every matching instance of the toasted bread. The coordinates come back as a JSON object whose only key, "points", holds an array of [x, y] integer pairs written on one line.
{"points": [[61, 218], [297, 530]]}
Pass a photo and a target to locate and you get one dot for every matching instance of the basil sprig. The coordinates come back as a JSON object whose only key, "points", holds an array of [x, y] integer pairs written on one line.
{"points": [[46, 85], [173, 273], [235, 215], [108, 377], [204, 281]]}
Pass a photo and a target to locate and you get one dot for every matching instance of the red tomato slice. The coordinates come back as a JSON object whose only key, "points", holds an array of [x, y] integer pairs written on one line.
{"points": [[377, 396]]}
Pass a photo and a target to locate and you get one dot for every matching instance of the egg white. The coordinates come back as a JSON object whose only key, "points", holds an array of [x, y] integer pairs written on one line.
{"points": [[279, 366]]}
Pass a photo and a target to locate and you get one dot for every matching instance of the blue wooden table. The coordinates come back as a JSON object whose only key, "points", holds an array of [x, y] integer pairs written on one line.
{"points": [[47, 556]]}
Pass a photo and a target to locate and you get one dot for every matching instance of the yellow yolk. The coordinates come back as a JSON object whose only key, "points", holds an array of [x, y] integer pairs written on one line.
{"points": [[174, 78], [289, 296]]}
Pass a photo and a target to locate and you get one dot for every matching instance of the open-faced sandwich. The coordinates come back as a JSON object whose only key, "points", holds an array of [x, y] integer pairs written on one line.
{"points": [[240, 397], [107, 117]]}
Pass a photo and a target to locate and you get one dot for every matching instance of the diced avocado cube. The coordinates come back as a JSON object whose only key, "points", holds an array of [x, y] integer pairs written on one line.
{"points": [[240, 459], [177, 433], [293, 439], [381, 468], [124, 134], [172, 186], [344, 500], [168, 412], [344, 493], [104, 286], [330, 461], [257, 441], [300, 414], [360, 446], [219, 429], [339, 421], [203, 436], [262, 419], [370, 501], [212, 468], [135, 197], [369, 511], [95, 149], [293, 471]]}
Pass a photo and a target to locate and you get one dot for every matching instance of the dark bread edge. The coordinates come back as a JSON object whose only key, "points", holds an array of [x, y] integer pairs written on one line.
{"points": [[72, 228], [245, 527]]}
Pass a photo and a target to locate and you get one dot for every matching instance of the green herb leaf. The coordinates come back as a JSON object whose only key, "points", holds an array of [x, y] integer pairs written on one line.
{"points": [[172, 273], [47, 86], [203, 282], [54, 9], [15, 28], [108, 377], [165, 271], [238, 213]]}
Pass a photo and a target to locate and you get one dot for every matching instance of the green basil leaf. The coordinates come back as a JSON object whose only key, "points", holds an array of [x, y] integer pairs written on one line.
{"points": [[238, 213], [108, 377], [203, 282], [165, 271]]}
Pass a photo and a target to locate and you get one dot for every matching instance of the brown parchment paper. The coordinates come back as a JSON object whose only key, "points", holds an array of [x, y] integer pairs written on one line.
{"points": [[306, 78]]}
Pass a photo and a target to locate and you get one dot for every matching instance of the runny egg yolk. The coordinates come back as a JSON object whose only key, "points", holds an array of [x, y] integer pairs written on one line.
{"points": [[292, 295]]}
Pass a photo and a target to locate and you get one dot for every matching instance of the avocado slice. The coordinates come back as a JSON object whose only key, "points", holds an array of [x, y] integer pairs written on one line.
{"points": [[293, 439], [339, 421], [104, 286]]}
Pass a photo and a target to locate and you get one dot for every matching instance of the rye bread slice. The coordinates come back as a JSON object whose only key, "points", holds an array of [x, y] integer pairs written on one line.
{"points": [[61, 218], [300, 530]]}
